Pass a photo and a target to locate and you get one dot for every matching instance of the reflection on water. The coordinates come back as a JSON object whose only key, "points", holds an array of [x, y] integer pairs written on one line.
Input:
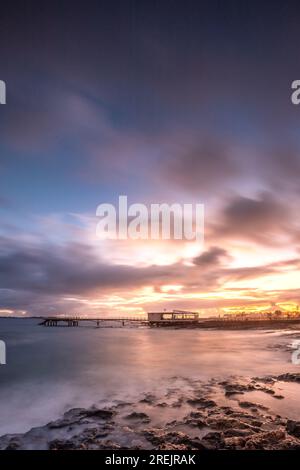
{"points": [[52, 369]]}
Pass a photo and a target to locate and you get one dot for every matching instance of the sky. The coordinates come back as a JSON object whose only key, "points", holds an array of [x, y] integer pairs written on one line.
{"points": [[162, 101]]}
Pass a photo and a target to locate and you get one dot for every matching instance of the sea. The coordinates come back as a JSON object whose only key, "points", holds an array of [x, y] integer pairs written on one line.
{"points": [[49, 370]]}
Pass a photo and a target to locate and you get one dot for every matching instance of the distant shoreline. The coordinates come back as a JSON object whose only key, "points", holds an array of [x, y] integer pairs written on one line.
{"points": [[250, 324], [207, 324]]}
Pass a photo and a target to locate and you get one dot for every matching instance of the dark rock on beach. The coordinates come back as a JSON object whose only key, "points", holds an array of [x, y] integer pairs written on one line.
{"points": [[142, 417], [289, 377], [293, 427]]}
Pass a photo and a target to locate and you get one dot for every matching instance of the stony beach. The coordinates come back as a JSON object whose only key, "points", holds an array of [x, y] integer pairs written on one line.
{"points": [[211, 415]]}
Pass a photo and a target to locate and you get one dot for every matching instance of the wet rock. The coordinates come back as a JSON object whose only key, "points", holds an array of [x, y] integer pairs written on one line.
{"points": [[110, 445], [237, 388], [223, 423], [201, 402], [177, 403], [167, 440], [149, 398], [249, 404], [173, 423], [196, 414], [173, 439], [237, 432], [235, 443], [154, 435], [14, 444], [89, 438], [213, 440], [61, 444], [293, 427], [195, 419], [199, 444], [229, 393], [256, 424], [123, 404], [277, 420], [271, 440], [78, 415], [94, 412], [289, 377], [266, 440], [246, 404], [226, 410], [268, 390], [142, 417], [267, 379], [169, 446], [90, 435]]}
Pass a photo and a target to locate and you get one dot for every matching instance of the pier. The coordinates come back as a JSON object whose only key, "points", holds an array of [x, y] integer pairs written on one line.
{"points": [[75, 321], [182, 319]]}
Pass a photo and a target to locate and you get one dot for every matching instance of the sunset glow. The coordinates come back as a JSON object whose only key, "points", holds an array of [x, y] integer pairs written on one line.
{"points": [[177, 133]]}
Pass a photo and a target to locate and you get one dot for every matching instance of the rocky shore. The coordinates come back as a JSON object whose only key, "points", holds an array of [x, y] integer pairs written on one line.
{"points": [[190, 414]]}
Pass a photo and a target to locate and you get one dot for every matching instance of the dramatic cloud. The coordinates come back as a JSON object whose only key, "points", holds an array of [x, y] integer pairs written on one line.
{"points": [[66, 270], [125, 101], [212, 257], [263, 219]]}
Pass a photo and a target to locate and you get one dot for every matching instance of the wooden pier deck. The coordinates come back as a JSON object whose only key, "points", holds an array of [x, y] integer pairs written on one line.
{"points": [[75, 321]]}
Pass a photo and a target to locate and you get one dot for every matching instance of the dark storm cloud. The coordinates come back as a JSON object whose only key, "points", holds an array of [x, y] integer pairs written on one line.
{"points": [[243, 210], [211, 257], [65, 270], [260, 219]]}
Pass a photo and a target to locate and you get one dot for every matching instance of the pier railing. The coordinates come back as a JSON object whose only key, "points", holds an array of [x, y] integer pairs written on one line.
{"points": [[75, 320]]}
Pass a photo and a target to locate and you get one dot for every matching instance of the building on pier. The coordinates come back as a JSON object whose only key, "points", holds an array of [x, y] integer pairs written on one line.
{"points": [[176, 316]]}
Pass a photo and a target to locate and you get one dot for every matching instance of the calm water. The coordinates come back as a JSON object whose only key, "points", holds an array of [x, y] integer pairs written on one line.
{"points": [[50, 370]]}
